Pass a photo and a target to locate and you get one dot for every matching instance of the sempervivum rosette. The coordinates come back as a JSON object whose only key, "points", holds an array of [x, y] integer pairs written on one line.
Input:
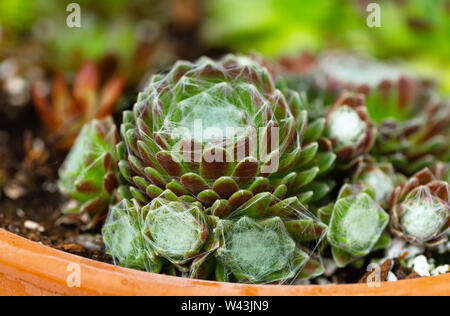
{"points": [[219, 132], [420, 210], [179, 232], [165, 235], [89, 174], [124, 241], [380, 177], [255, 244], [259, 243], [262, 251], [356, 224], [350, 129]]}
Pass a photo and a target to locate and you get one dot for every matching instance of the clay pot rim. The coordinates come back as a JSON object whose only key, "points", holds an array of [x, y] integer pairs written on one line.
{"points": [[27, 267]]}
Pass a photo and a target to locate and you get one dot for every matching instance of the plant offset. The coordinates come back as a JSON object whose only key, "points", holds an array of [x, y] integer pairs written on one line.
{"points": [[227, 171]]}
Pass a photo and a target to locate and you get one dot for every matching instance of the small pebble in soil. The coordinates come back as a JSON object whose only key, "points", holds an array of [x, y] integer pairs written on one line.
{"points": [[90, 242], [49, 187], [14, 191], [20, 213], [391, 277], [33, 226]]}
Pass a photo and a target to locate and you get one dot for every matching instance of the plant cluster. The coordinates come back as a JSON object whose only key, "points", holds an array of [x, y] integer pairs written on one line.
{"points": [[227, 171]]}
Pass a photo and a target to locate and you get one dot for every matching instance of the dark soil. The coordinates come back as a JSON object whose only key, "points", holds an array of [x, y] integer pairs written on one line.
{"points": [[35, 213], [35, 217]]}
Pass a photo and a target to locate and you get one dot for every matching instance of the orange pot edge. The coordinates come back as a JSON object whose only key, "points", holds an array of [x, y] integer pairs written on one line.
{"points": [[28, 268]]}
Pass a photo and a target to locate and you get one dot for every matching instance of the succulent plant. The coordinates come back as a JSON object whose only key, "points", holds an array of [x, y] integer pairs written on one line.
{"points": [[69, 111], [268, 237], [89, 175], [203, 215], [356, 224], [280, 232], [124, 240], [390, 90], [380, 177], [197, 244], [165, 235], [420, 210], [221, 132], [416, 143], [413, 124], [350, 128], [178, 231], [219, 175]]}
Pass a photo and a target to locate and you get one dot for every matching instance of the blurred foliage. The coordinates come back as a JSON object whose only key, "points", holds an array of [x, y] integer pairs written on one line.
{"points": [[133, 38], [108, 27], [417, 31], [16, 14], [22, 15]]}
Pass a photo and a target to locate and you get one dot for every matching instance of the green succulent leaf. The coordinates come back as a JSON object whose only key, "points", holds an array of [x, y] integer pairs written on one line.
{"points": [[243, 243], [124, 241], [420, 209], [89, 175], [176, 231], [356, 224]]}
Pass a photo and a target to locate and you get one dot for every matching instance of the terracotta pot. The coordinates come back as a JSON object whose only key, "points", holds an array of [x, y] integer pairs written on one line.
{"points": [[28, 268]]}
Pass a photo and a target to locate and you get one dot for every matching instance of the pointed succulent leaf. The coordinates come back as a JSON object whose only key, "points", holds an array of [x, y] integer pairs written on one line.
{"points": [[306, 230], [314, 131], [312, 269], [320, 190], [256, 207], [68, 110], [341, 257]]}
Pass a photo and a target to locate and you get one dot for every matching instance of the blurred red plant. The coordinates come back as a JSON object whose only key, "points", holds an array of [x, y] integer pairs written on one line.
{"points": [[67, 111]]}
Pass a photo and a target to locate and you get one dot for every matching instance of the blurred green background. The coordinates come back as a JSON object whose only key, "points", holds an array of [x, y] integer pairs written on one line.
{"points": [[108, 27], [415, 31]]}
